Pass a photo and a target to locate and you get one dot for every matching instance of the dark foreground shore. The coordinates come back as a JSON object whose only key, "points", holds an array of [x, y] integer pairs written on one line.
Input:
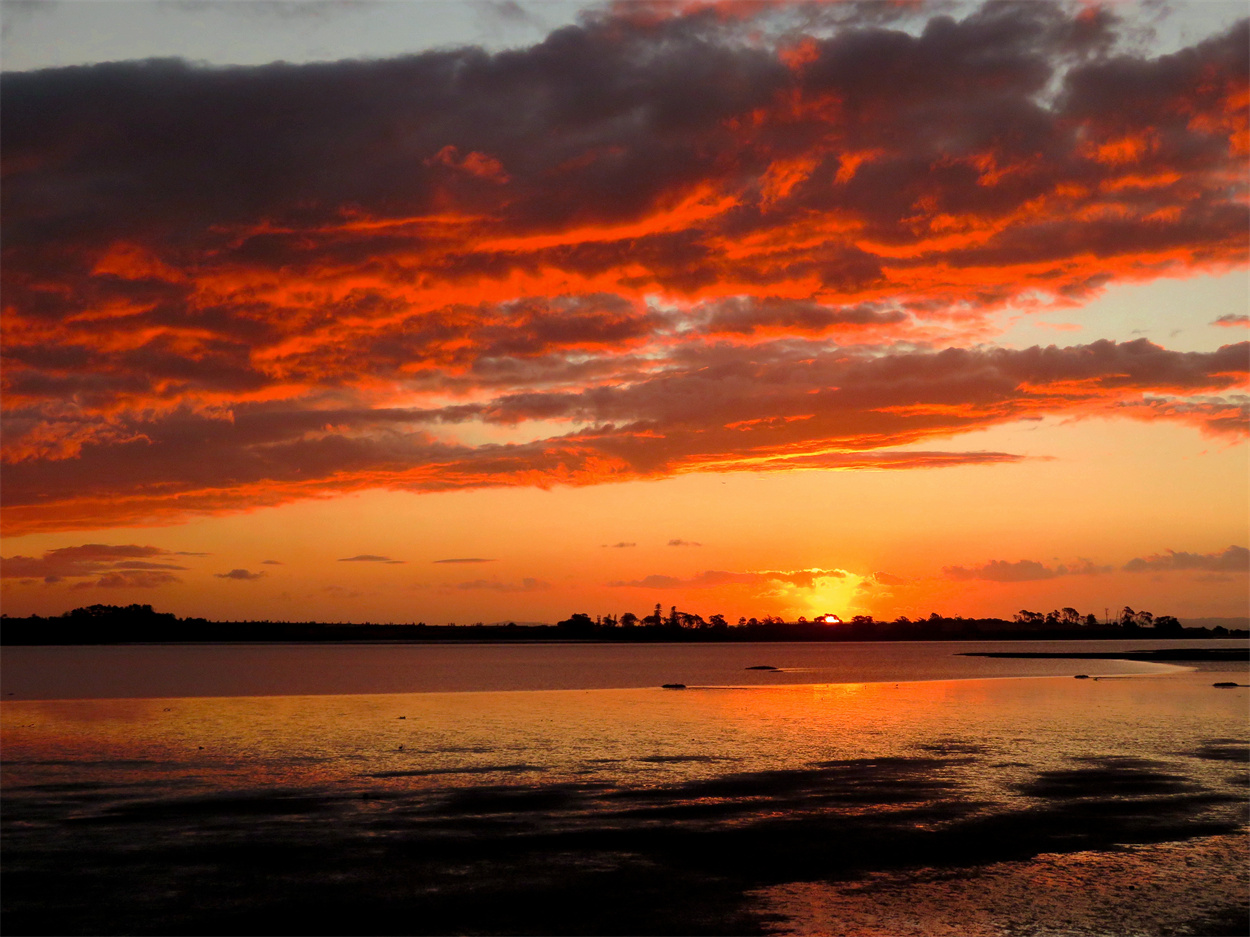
{"points": [[559, 859], [1002, 823]]}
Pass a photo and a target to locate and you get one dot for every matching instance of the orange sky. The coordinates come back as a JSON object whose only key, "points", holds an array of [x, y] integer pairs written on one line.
{"points": [[902, 312]]}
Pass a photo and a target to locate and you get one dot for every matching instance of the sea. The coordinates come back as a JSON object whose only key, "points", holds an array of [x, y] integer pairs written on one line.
{"points": [[851, 788]]}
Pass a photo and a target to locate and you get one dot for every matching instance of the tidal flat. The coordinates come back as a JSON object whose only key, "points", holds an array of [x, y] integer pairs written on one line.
{"points": [[1038, 805]]}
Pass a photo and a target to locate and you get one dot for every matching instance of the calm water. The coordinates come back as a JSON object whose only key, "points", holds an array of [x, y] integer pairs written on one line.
{"points": [[304, 669], [830, 798]]}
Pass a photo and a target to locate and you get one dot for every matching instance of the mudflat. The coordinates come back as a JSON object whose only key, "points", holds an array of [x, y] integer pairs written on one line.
{"points": [[974, 807]]}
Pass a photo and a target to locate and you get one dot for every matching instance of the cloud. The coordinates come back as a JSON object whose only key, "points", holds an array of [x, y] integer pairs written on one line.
{"points": [[677, 542], [1233, 321], [341, 592], [1021, 571], [90, 559], [136, 579], [802, 578], [775, 407], [273, 563], [619, 546], [240, 574], [370, 558], [737, 239], [1233, 560], [525, 585], [466, 559]]}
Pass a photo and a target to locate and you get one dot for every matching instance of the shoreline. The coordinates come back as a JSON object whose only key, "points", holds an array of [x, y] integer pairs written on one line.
{"points": [[1156, 655]]}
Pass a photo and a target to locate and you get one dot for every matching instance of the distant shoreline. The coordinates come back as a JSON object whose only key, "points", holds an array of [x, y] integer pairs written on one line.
{"points": [[140, 624], [52, 633]]}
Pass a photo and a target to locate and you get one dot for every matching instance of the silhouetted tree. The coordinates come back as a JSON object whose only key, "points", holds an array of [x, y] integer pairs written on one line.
{"points": [[1166, 624], [629, 620], [577, 624]]}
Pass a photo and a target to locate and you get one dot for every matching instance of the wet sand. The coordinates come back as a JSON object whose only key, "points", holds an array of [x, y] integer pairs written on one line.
{"points": [[996, 834]]}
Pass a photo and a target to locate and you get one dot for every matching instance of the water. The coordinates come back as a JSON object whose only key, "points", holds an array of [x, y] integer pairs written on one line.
{"points": [[307, 669], [836, 796]]}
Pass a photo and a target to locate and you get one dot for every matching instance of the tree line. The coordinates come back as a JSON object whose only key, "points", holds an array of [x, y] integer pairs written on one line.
{"points": [[109, 624]]}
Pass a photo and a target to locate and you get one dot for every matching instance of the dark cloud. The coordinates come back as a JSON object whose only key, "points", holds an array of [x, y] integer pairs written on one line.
{"points": [[91, 559], [803, 578], [370, 558], [240, 574], [619, 546], [493, 585], [1233, 560], [466, 559], [272, 563], [1232, 321], [678, 542], [1021, 571], [139, 579]]}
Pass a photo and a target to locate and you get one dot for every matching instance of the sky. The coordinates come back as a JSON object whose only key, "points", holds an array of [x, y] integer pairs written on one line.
{"points": [[420, 311]]}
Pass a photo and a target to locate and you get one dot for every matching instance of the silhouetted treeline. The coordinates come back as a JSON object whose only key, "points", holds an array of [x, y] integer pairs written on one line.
{"points": [[111, 624]]}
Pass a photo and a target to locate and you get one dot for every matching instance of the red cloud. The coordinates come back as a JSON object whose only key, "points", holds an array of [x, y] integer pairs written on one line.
{"points": [[721, 409], [703, 252]]}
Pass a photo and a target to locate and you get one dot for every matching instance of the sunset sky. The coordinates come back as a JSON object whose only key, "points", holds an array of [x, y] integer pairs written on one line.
{"points": [[501, 311]]}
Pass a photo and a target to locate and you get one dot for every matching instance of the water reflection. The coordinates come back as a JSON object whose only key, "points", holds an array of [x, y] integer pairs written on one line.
{"points": [[616, 811], [155, 671]]}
